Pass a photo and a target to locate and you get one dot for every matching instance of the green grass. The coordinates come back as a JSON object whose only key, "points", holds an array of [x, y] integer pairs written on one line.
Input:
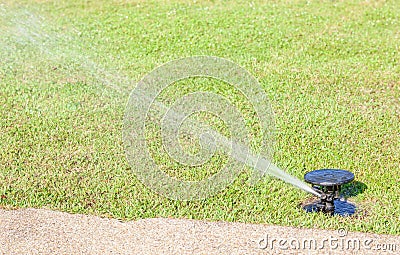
{"points": [[331, 70]]}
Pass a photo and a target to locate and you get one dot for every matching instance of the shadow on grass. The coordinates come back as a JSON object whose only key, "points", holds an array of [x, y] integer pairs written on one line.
{"points": [[342, 206], [353, 189]]}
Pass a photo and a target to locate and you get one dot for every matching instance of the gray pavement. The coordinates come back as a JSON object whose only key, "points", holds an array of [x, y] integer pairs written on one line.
{"points": [[40, 231]]}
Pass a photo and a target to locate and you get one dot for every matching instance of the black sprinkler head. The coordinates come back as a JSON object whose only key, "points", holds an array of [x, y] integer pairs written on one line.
{"points": [[328, 182]]}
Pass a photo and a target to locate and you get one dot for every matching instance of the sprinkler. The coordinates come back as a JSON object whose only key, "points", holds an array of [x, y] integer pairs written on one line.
{"points": [[328, 182]]}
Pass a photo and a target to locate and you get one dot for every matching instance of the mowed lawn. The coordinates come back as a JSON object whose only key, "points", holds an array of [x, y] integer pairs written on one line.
{"points": [[331, 70]]}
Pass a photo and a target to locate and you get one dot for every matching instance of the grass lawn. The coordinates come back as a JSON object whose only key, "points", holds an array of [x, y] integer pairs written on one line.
{"points": [[330, 68]]}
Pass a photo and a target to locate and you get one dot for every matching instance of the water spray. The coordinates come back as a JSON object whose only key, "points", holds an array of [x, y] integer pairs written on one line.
{"points": [[143, 103], [28, 28]]}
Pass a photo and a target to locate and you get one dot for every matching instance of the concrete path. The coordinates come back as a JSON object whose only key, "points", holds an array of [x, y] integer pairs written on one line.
{"points": [[39, 231]]}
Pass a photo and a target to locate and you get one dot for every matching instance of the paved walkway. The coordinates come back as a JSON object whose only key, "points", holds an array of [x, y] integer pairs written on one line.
{"points": [[39, 231]]}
